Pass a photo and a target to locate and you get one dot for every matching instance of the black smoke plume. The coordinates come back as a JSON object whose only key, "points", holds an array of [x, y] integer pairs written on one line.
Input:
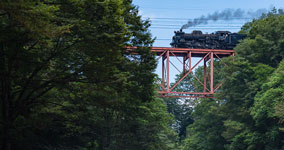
{"points": [[227, 14]]}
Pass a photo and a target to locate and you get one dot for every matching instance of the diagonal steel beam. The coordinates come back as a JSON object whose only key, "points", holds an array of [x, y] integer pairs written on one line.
{"points": [[175, 67], [176, 57], [161, 55], [199, 81], [189, 71], [218, 85], [220, 59]]}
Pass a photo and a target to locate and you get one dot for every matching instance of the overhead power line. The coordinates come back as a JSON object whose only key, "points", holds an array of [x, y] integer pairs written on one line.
{"points": [[211, 24], [195, 28], [169, 25], [154, 18], [173, 8], [163, 39]]}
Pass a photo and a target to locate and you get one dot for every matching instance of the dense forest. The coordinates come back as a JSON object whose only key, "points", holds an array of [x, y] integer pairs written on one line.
{"points": [[67, 83]]}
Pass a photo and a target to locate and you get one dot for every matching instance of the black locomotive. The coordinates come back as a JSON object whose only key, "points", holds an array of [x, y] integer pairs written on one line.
{"points": [[196, 39]]}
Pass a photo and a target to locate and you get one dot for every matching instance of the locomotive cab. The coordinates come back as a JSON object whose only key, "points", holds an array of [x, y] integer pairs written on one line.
{"points": [[223, 35], [223, 32]]}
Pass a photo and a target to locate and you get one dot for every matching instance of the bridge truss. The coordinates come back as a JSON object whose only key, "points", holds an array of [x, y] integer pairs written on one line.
{"points": [[186, 54]]}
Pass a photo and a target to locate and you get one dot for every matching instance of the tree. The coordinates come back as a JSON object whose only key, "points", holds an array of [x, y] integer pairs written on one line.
{"points": [[257, 57], [205, 132], [266, 111], [181, 108], [26, 57], [244, 108], [65, 72]]}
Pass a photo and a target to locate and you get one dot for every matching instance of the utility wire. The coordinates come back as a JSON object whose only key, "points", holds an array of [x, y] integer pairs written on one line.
{"points": [[163, 39], [213, 24], [237, 18], [169, 25], [173, 8], [195, 28]]}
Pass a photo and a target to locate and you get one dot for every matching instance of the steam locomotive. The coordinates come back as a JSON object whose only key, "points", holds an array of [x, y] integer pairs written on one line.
{"points": [[196, 39]]}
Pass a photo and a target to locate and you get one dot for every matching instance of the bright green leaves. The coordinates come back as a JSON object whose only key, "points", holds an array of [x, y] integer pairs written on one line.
{"points": [[265, 42], [261, 72], [279, 112], [269, 97], [251, 91], [232, 129], [258, 50], [249, 113]]}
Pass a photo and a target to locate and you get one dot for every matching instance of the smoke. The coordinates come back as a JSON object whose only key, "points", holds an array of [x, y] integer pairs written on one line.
{"points": [[227, 14]]}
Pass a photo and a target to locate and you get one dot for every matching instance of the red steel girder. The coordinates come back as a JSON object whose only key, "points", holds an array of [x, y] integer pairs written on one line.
{"points": [[184, 51], [187, 54]]}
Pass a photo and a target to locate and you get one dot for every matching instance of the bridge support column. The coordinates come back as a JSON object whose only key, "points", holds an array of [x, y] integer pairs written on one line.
{"points": [[163, 73], [204, 76], [183, 64], [211, 72], [189, 61], [168, 71]]}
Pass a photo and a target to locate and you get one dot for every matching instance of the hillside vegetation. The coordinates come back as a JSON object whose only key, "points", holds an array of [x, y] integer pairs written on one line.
{"points": [[67, 83]]}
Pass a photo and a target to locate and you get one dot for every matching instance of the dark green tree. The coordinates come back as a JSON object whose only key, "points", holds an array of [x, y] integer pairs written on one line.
{"points": [[68, 83]]}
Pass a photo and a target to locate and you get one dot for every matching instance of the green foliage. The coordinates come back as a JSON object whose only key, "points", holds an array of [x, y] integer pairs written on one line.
{"points": [[232, 129], [246, 77], [205, 132], [181, 109], [248, 109], [265, 36], [263, 111], [67, 82], [279, 112]]}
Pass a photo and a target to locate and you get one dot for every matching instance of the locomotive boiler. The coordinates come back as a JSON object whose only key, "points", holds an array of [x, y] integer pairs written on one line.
{"points": [[218, 40]]}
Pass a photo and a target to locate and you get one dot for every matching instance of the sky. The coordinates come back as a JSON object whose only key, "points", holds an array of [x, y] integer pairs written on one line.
{"points": [[167, 16]]}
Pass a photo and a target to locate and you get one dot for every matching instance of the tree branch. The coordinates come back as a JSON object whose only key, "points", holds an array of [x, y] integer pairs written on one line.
{"points": [[39, 68]]}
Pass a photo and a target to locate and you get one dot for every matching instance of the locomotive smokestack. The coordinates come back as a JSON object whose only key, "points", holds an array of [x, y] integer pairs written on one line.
{"points": [[227, 14]]}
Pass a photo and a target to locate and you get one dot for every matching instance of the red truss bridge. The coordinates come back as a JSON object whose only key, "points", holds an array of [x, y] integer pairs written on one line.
{"points": [[186, 54]]}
